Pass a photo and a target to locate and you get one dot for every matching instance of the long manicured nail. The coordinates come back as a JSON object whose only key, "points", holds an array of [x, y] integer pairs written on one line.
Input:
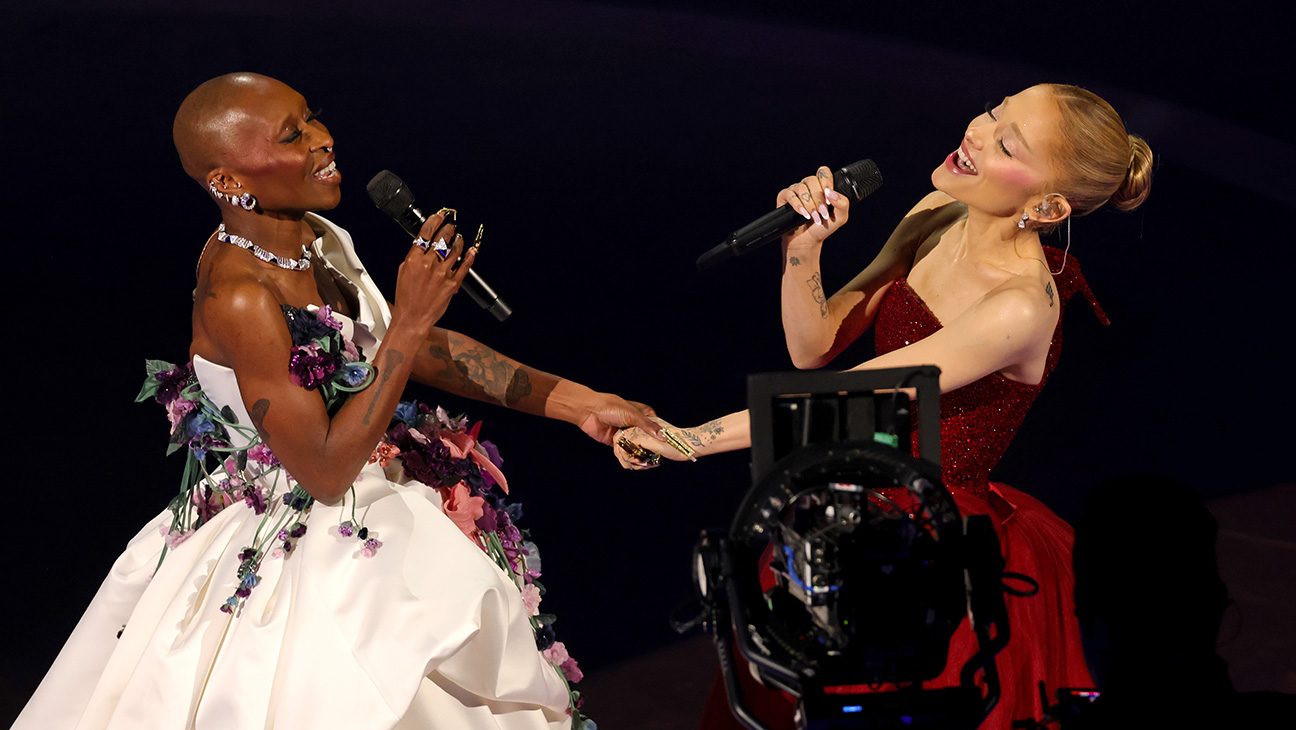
{"points": [[831, 195], [816, 217], [823, 211], [803, 212]]}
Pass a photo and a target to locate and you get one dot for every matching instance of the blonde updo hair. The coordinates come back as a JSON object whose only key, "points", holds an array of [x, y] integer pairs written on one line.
{"points": [[1097, 160]]}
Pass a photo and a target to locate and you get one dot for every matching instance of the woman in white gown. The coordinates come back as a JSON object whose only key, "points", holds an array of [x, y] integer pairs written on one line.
{"points": [[410, 601]]}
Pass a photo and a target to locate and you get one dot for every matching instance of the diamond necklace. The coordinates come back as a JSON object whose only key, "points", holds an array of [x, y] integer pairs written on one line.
{"points": [[301, 264]]}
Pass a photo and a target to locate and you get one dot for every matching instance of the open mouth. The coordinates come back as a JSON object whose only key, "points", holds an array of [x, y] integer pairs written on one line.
{"points": [[327, 173], [962, 163]]}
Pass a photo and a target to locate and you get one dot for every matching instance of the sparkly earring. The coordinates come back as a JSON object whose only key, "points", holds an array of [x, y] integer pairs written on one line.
{"points": [[1025, 217], [246, 201]]}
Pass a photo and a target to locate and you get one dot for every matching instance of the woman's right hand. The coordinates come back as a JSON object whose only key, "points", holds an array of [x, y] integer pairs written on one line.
{"points": [[824, 208], [425, 282]]}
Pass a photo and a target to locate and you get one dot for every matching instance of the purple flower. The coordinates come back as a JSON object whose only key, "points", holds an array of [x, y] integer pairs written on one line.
{"points": [[170, 383], [487, 522], [492, 453], [254, 498], [325, 315], [297, 530], [311, 367], [346, 529], [305, 325], [371, 547]]}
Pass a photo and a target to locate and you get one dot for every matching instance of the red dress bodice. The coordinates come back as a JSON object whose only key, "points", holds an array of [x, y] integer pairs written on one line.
{"points": [[979, 420]]}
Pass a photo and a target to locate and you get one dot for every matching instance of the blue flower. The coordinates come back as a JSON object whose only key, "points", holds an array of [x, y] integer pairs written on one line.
{"points": [[198, 424], [355, 374], [407, 412]]}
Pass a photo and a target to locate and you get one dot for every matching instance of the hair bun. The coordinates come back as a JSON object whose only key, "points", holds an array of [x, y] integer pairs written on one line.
{"points": [[1137, 184]]}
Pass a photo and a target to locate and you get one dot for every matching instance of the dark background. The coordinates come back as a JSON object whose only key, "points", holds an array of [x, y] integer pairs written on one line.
{"points": [[606, 145]]}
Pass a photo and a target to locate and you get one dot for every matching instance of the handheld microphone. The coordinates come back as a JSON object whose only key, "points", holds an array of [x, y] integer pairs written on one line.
{"points": [[393, 197], [857, 181]]}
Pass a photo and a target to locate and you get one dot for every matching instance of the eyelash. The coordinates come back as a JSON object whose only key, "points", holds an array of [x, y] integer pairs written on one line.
{"points": [[989, 110], [296, 133]]}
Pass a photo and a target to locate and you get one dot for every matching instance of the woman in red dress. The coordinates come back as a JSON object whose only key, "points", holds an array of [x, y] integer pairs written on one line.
{"points": [[964, 283]]}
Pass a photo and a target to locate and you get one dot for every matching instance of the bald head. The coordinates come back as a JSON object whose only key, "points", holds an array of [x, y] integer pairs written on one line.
{"points": [[207, 125]]}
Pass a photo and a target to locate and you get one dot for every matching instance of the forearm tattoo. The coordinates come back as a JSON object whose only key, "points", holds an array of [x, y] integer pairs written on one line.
{"points": [[816, 291], [473, 369], [704, 435], [393, 360], [258, 414], [1048, 289]]}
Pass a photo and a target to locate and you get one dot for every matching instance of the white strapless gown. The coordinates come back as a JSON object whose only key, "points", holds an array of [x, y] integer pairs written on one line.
{"points": [[428, 633]]}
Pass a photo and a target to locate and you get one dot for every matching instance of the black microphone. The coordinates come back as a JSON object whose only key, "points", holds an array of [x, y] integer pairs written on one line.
{"points": [[393, 197], [858, 181]]}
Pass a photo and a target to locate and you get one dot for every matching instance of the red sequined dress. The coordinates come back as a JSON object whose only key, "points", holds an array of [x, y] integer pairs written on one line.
{"points": [[978, 422]]}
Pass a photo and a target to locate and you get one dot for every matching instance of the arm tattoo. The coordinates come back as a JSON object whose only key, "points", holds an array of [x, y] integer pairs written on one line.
{"points": [[1048, 289], [479, 370], [394, 359], [794, 261], [705, 434], [816, 291], [519, 387], [258, 413]]}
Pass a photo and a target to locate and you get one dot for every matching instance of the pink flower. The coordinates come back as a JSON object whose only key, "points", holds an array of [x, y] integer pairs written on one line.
{"points": [[464, 445], [531, 600], [384, 453], [370, 548], [173, 539], [462, 508], [262, 455], [556, 654], [571, 670], [349, 351], [177, 409]]}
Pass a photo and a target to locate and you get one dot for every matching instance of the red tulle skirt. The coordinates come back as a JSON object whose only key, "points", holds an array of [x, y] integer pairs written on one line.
{"points": [[1044, 637]]}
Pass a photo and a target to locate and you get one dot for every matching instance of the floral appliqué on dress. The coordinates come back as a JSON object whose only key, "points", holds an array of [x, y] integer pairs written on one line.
{"points": [[443, 452]]}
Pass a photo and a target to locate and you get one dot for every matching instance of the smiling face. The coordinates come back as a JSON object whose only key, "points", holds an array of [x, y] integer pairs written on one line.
{"points": [[1004, 159], [255, 132]]}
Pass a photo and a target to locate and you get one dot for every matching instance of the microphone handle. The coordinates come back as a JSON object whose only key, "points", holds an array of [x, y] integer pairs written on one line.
{"points": [[769, 227], [412, 221]]}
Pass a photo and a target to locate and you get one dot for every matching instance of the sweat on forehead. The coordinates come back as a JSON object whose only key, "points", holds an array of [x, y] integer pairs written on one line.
{"points": [[210, 118]]}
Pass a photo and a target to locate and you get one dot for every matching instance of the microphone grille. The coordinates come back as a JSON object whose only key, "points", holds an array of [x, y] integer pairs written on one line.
{"points": [[859, 179], [389, 193]]}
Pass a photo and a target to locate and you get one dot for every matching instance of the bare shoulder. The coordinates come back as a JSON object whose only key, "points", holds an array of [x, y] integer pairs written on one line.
{"points": [[1022, 302], [239, 316]]}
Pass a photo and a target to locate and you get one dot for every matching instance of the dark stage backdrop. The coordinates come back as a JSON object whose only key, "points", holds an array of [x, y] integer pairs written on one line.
{"points": [[605, 146]]}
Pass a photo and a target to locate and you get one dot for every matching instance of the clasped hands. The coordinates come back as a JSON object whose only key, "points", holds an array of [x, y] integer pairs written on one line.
{"points": [[637, 449]]}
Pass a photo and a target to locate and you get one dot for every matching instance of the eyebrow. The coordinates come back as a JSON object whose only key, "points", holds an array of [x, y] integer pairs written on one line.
{"points": [[1017, 129]]}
